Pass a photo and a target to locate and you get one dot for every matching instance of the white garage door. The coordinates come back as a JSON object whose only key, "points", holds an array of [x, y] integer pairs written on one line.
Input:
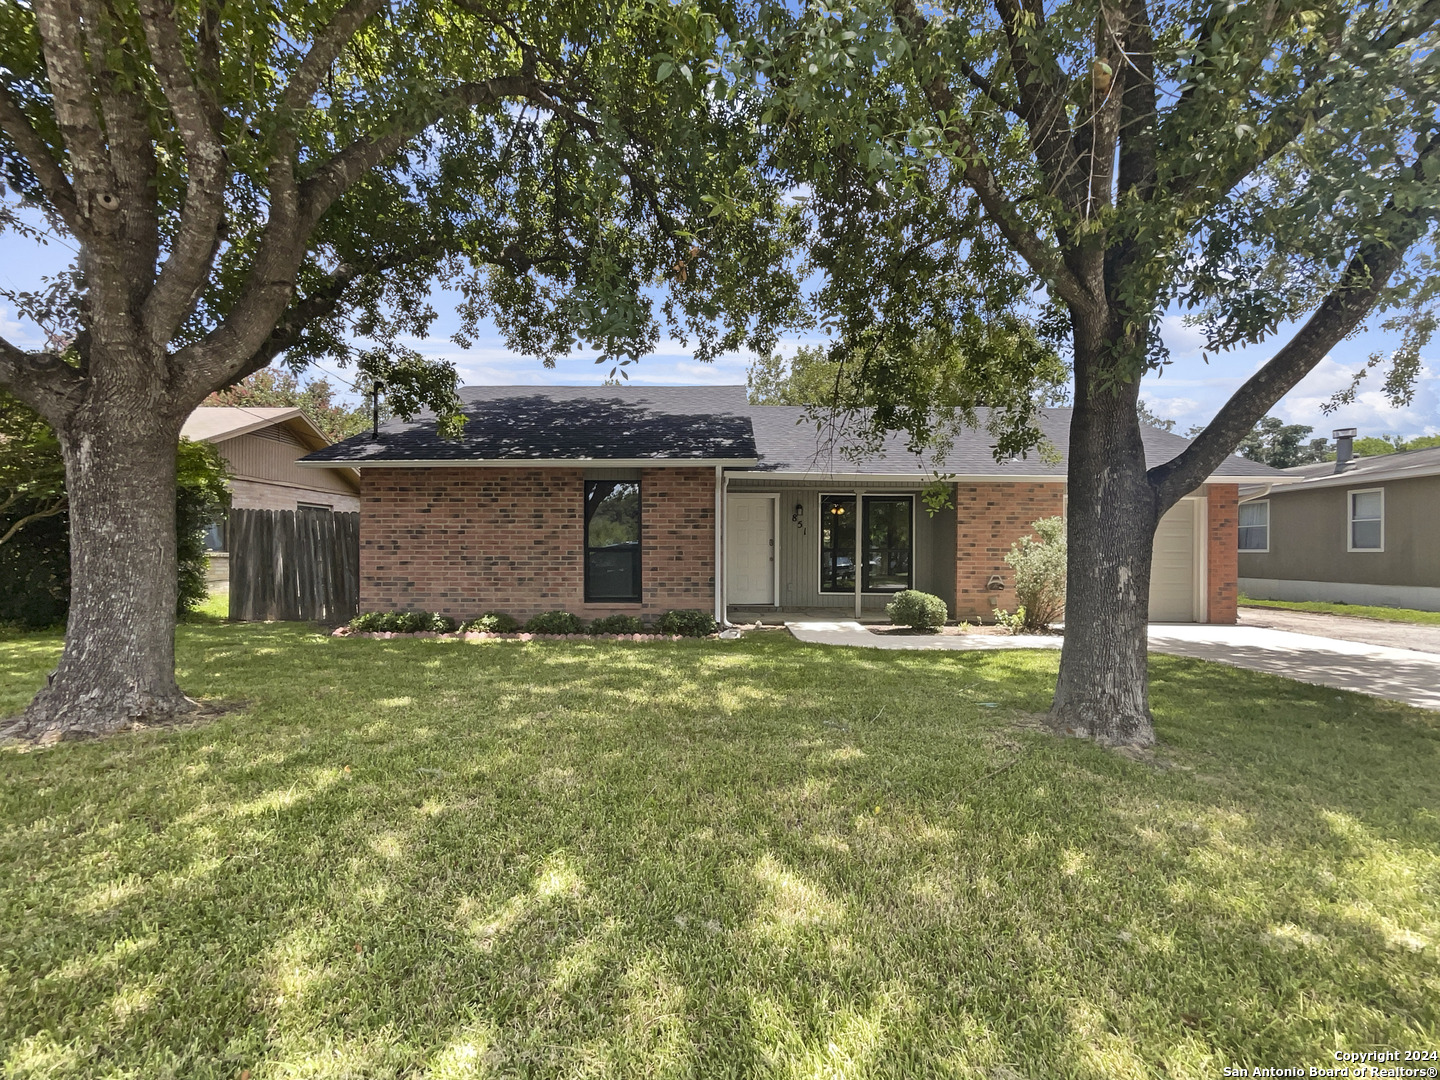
{"points": [[1172, 568]]}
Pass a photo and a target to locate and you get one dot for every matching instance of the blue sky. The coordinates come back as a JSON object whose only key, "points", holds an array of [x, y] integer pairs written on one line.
{"points": [[1189, 391]]}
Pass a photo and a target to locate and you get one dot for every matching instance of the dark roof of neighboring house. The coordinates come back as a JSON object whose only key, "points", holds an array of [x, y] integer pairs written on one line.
{"points": [[714, 424], [569, 423], [1404, 465]]}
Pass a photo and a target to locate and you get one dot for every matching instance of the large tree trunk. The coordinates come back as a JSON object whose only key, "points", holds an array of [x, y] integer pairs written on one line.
{"points": [[118, 667], [1103, 690]]}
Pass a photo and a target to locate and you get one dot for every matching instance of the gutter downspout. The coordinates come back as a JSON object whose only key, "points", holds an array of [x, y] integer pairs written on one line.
{"points": [[1264, 490], [721, 480]]}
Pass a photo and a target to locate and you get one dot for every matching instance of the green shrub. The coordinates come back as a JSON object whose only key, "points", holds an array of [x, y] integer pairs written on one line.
{"points": [[1014, 623], [687, 623], [920, 610], [1039, 567], [492, 622], [402, 622], [35, 559], [555, 622], [202, 494], [618, 624]]}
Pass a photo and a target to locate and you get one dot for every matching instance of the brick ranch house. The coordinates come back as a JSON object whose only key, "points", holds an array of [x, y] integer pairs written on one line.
{"points": [[604, 500]]}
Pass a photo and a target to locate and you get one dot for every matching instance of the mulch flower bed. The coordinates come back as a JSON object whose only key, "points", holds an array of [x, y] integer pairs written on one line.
{"points": [[384, 635]]}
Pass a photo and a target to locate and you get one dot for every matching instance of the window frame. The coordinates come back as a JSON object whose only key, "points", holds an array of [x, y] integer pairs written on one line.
{"points": [[1239, 527], [862, 553], [820, 545], [861, 566], [1350, 494], [585, 519]]}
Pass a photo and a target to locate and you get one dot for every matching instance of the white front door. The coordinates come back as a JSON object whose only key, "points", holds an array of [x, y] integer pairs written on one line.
{"points": [[750, 550]]}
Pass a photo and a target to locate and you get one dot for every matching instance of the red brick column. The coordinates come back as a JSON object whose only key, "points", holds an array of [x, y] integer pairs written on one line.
{"points": [[988, 519], [1222, 554]]}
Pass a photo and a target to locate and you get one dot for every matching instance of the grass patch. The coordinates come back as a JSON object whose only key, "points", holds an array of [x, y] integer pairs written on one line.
{"points": [[430, 858], [1360, 611], [215, 608]]}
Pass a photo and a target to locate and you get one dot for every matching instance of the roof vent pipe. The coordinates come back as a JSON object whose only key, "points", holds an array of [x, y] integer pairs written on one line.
{"points": [[1344, 446]]}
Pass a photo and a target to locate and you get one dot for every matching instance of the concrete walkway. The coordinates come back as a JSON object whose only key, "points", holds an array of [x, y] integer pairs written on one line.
{"points": [[1383, 671]]}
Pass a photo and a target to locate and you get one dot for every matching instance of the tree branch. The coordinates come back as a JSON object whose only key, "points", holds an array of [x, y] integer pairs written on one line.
{"points": [[41, 380], [182, 278], [1043, 259], [327, 46], [332, 179], [73, 100], [1139, 107], [1043, 98], [988, 88], [1347, 305], [50, 511], [53, 181]]}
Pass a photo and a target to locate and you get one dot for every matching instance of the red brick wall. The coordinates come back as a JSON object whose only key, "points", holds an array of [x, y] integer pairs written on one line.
{"points": [[988, 519], [462, 541], [1222, 556]]}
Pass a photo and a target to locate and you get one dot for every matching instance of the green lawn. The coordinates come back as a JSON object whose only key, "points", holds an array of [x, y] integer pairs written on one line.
{"points": [[426, 858], [1360, 611]]}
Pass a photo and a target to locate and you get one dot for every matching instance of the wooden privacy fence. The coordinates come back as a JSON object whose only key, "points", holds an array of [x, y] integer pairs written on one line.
{"points": [[294, 565]]}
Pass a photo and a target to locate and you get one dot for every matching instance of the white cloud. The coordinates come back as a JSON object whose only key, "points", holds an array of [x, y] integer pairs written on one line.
{"points": [[1183, 340], [1179, 409], [1371, 411], [25, 335]]}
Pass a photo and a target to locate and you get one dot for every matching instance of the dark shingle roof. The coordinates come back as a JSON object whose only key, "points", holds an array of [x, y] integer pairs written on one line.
{"points": [[698, 423], [595, 423], [788, 443]]}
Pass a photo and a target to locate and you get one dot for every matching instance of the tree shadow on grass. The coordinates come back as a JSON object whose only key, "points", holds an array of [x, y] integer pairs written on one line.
{"points": [[447, 859]]}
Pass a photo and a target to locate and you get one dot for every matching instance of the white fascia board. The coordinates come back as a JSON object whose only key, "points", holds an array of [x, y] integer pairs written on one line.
{"points": [[534, 463], [912, 477], [963, 478]]}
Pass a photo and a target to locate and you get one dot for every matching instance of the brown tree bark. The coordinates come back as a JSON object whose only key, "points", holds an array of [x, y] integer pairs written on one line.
{"points": [[118, 665], [1103, 689]]}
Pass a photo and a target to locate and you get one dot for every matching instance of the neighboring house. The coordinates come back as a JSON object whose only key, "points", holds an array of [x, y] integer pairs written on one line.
{"points": [[600, 500], [1357, 530], [261, 448]]}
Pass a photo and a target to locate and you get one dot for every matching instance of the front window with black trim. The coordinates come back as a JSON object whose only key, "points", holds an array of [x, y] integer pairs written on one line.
{"points": [[837, 543], [887, 543], [612, 541]]}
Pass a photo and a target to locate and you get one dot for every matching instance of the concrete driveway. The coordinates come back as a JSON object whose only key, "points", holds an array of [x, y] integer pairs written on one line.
{"points": [[1346, 628], [1384, 671]]}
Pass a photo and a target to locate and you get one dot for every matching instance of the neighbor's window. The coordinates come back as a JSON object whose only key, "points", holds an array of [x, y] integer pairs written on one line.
{"points": [[837, 543], [215, 535], [886, 548], [612, 541], [1367, 520], [1255, 526]]}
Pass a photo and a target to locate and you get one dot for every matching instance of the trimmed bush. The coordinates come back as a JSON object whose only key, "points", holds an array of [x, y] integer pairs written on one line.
{"points": [[1039, 567], [618, 624], [555, 622], [402, 622], [918, 610], [492, 622], [687, 623]]}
